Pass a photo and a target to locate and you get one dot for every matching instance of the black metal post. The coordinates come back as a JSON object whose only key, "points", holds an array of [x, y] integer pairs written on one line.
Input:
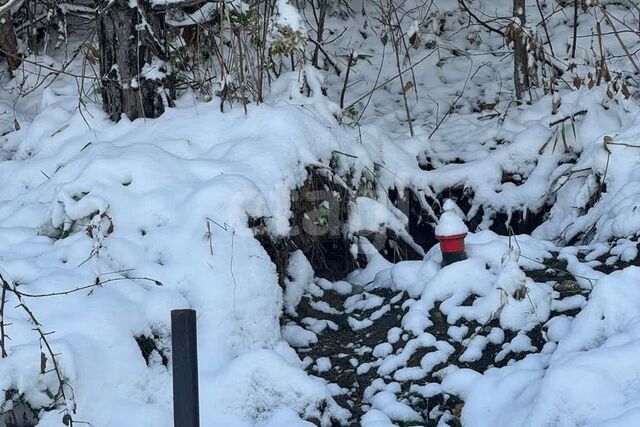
{"points": [[451, 257], [184, 348]]}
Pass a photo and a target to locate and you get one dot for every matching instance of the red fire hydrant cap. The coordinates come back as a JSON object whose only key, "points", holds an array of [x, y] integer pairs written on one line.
{"points": [[449, 244]]}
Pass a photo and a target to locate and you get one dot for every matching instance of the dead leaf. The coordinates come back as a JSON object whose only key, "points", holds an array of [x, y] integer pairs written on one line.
{"points": [[457, 410], [577, 82], [414, 40], [625, 91], [43, 363], [407, 87]]}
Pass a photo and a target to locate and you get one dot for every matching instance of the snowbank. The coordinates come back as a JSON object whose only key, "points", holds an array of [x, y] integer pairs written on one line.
{"points": [[159, 211], [588, 380]]}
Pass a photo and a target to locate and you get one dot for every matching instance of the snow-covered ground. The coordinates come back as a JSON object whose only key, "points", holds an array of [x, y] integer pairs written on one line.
{"points": [[158, 210], [105, 228]]}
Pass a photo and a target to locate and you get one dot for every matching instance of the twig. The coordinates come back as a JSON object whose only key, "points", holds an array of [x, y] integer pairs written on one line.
{"points": [[623, 144], [384, 49], [3, 301], [575, 28], [481, 22], [450, 110], [396, 49], [570, 117], [60, 394], [602, 69], [390, 79], [326, 55], [544, 26], [589, 279], [96, 284], [346, 79], [622, 44]]}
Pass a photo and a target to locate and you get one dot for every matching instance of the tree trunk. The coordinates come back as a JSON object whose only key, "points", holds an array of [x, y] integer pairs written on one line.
{"points": [[520, 56], [8, 42], [135, 75]]}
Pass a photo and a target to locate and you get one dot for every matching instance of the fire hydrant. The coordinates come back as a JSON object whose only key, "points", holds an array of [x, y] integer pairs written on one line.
{"points": [[451, 232]]}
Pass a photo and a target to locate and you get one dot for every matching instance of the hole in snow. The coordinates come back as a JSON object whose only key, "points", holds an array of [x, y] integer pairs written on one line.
{"points": [[153, 348]]}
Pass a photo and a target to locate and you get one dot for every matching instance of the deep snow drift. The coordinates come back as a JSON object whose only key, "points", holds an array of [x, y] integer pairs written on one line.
{"points": [[166, 200]]}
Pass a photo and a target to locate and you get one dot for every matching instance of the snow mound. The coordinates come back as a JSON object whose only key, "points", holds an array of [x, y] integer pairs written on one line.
{"points": [[450, 224], [587, 380], [258, 384], [156, 212]]}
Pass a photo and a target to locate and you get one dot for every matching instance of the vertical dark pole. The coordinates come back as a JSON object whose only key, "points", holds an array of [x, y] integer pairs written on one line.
{"points": [[451, 257], [184, 347]]}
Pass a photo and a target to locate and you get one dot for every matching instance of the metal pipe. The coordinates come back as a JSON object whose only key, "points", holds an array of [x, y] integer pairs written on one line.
{"points": [[184, 354]]}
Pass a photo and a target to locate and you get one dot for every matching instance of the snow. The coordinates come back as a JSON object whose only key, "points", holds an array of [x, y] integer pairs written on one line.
{"points": [[289, 16], [363, 369], [323, 364], [450, 224], [382, 350], [375, 418], [253, 387], [503, 291], [394, 361], [601, 338], [323, 307], [558, 327], [395, 410], [361, 302], [569, 303], [341, 287], [300, 277], [496, 336], [393, 336], [458, 332], [411, 276], [319, 325], [474, 348], [159, 211], [357, 324], [298, 336], [370, 215], [458, 381], [194, 173]]}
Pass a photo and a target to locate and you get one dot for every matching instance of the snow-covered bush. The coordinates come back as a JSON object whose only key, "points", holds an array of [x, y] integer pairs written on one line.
{"points": [[287, 32]]}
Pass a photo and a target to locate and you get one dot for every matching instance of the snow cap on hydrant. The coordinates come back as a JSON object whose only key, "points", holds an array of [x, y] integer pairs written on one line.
{"points": [[451, 232]]}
